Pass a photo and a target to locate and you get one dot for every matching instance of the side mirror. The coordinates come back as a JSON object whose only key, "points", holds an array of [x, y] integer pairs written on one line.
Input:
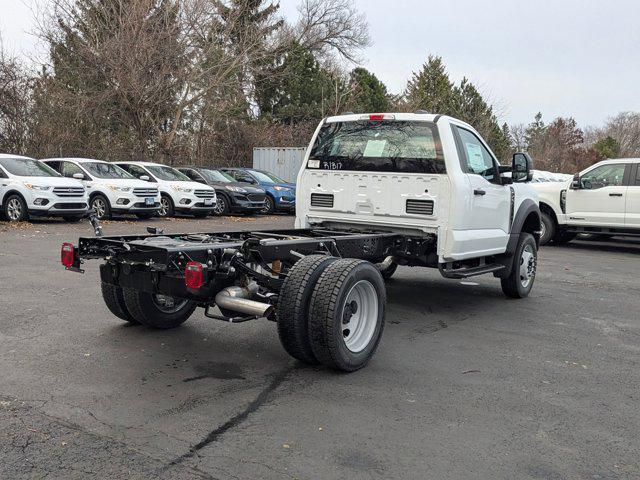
{"points": [[576, 184], [144, 178], [521, 167], [78, 176]]}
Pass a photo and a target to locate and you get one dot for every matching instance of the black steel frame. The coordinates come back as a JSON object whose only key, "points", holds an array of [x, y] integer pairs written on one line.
{"points": [[156, 263]]}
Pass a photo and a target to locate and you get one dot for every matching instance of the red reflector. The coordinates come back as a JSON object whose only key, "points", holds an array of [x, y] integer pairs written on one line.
{"points": [[67, 254], [376, 117], [193, 277]]}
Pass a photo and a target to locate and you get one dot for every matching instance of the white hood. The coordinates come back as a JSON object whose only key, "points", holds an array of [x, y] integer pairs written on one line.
{"points": [[185, 184], [126, 182], [51, 181]]}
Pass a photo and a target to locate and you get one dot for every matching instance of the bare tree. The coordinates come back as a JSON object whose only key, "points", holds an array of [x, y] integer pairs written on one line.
{"points": [[332, 26], [15, 102]]}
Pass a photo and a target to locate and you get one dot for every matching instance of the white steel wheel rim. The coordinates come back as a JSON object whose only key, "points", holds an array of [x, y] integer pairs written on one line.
{"points": [[99, 207], [14, 209], [543, 229], [164, 207], [220, 205], [359, 316], [167, 304], [527, 266]]}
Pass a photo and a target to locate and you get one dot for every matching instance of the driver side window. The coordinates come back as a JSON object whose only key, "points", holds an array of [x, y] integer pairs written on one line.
{"points": [[69, 169], [477, 159], [604, 176]]}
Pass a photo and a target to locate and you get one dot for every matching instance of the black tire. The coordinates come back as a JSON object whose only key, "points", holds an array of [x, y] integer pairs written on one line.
{"points": [[113, 297], [293, 306], [144, 216], [167, 208], [15, 208], [269, 205], [73, 219], [100, 205], [388, 272], [512, 286], [145, 310], [549, 228], [329, 308], [222, 205]]}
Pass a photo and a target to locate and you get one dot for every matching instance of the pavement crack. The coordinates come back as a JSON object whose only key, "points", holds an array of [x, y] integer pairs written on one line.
{"points": [[237, 419]]}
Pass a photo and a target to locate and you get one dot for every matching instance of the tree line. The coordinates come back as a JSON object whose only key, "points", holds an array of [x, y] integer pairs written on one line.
{"points": [[204, 81]]}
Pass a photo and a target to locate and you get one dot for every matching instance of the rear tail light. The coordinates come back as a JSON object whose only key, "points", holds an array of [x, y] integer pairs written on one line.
{"points": [[376, 117], [67, 254], [193, 275]]}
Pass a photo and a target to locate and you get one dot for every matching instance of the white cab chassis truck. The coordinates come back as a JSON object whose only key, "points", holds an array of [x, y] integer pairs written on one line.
{"points": [[375, 191], [602, 200]]}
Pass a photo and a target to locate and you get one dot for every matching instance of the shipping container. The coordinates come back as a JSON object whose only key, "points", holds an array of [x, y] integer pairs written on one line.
{"points": [[284, 162]]}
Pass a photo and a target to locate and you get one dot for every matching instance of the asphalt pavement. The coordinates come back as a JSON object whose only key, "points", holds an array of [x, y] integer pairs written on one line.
{"points": [[466, 384]]}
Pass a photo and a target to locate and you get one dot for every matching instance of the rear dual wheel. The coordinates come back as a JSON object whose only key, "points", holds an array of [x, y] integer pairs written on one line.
{"points": [[332, 312], [151, 310]]}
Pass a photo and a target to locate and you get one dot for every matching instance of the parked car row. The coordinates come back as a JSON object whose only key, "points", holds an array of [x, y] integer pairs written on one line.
{"points": [[69, 187]]}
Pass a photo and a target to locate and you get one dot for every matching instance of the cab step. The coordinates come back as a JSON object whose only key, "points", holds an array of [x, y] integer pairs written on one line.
{"points": [[447, 270]]}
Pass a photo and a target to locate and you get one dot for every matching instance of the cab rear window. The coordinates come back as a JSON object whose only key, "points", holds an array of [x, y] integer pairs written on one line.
{"points": [[378, 146]]}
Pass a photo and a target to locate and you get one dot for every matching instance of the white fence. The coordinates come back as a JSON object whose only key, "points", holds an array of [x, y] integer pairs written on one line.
{"points": [[284, 162]]}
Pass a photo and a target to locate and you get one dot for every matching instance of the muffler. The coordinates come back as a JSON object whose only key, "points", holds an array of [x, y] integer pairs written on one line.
{"points": [[238, 299]]}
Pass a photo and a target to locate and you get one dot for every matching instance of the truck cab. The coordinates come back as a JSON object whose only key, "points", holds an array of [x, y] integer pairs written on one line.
{"points": [[603, 200], [427, 175]]}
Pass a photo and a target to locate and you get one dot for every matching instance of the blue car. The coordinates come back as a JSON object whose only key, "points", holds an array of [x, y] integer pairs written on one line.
{"points": [[281, 195]]}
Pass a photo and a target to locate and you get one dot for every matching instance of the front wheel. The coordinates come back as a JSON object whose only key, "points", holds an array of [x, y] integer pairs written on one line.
{"points": [[523, 271], [547, 227], [222, 206], [100, 205], [166, 207], [158, 311], [15, 209], [269, 205]]}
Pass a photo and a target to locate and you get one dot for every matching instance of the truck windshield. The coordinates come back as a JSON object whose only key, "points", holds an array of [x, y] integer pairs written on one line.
{"points": [[27, 167], [386, 146], [167, 173], [106, 170]]}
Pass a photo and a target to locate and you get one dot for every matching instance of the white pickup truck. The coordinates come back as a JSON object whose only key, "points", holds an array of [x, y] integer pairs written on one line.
{"points": [[603, 199], [375, 191]]}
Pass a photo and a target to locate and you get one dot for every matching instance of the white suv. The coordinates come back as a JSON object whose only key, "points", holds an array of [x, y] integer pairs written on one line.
{"points": [[31, 188], [178, 194], [110, 188]]}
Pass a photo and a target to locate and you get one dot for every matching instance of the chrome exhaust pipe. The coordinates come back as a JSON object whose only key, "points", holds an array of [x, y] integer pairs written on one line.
{"points": [[238, 299]]}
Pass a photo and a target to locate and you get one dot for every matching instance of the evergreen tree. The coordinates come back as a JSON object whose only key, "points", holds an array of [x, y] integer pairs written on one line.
{"points": [[431, 89], [607, 147], [299, 90], [368, 94]]}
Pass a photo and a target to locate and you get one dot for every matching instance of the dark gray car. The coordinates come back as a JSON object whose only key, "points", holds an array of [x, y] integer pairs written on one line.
{"points": [[232, 196]]}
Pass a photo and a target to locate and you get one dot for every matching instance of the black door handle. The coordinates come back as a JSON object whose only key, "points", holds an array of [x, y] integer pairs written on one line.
{"points": [[615, 194], [479, 192]]}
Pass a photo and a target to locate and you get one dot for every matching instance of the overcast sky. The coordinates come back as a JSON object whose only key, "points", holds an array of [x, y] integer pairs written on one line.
{"points": [[577, 58]]}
